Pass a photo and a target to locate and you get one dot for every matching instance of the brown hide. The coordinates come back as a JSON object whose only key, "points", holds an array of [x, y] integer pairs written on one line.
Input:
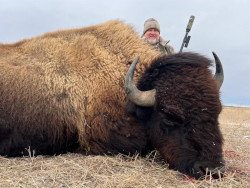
{"points": [[68, 83]]}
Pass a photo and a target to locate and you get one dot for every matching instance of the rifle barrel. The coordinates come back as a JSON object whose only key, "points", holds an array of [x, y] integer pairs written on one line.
{"points": [[187, 38], [183, 42]]}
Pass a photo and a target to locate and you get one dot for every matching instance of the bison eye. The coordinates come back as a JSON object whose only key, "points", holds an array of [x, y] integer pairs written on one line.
{"points": [[167, 126], [171, 119], [168, 122]]}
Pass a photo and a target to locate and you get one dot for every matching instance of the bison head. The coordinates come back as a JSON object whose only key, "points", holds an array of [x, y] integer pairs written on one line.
{"points": [[178, 101]]}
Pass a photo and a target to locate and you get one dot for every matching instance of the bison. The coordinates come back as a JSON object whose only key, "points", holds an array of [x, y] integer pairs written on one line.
{"points": [[64, 92]]}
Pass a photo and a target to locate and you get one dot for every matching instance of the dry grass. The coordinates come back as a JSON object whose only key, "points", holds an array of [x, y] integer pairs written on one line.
{"points": [[76, 170]]}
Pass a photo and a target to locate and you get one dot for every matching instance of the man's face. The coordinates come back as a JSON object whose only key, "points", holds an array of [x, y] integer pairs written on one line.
{"points": [[152, 36]]}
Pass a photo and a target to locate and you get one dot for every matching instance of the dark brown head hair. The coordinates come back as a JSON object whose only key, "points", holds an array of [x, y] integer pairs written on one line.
{"points": [[183, 125]]}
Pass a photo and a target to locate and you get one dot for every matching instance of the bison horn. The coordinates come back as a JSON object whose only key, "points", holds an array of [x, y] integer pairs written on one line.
{"points": [[219, 75], [140, 98]]}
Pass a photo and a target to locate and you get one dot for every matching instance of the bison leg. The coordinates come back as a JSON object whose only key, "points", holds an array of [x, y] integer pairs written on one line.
{"points": [[15, 142], [10, 142]]}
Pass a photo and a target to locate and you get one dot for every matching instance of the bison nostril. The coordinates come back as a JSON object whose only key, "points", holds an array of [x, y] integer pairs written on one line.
{"points": [[203, 171]]}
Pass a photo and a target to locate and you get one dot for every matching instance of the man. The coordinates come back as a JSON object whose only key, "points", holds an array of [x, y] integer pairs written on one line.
{"points": [[151, 33]]}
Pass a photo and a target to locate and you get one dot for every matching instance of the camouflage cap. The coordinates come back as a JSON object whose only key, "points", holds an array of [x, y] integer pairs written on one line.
{"points": [[151, 23]]}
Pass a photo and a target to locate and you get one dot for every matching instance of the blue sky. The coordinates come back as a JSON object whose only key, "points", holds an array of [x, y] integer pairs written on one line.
{"points": [[220, 25]]}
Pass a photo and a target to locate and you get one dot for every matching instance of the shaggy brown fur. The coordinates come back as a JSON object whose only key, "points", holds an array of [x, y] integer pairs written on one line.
{"points": [[67, 83], [64, 91]]}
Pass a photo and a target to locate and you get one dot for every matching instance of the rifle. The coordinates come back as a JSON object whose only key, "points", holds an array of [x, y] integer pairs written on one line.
{"points": [[187, 38]]}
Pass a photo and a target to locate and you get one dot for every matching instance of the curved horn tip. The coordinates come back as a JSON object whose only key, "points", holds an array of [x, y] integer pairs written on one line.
{"points": [[219, 75], [140, 98], [214, 54], [134, 63], [137, 59]]}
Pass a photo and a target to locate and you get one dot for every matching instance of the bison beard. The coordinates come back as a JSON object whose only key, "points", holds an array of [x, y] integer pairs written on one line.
{"points": [[64, 91]]}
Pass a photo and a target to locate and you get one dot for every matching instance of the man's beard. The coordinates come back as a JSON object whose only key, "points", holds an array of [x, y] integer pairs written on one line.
{"points": [[152, 41]]}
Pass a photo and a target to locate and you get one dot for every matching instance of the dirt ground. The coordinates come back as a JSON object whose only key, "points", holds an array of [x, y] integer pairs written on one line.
{"points": [[76, 170]]}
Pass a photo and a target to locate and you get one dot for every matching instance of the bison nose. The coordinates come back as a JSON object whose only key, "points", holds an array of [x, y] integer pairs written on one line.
{"points": [[216, 167]]}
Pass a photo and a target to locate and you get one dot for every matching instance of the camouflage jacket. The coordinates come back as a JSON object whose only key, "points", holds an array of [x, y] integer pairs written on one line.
{"points": [[164, 47]]}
